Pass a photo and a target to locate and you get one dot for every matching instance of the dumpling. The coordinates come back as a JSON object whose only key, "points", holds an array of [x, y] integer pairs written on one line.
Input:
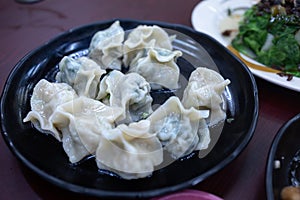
{"points": [[106, 47], [131, 92], [204, 135], [46, 97], [83, 74], [108, 85], [204, 91], [129, 151], [141, 39], [81, 122], [159, 68], [177, 127]]}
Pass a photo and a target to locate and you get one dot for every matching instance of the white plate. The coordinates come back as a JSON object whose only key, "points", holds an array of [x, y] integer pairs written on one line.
{"points": [[206, 18]]}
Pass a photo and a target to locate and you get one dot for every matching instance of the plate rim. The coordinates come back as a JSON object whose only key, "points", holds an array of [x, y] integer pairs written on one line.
{"points": [[131, 194]]}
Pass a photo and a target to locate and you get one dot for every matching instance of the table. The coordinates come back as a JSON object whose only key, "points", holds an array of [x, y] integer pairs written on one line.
{"points": [[25, 27]]}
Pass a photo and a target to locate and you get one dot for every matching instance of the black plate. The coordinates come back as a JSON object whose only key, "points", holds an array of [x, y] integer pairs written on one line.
{"points": [[285, 146], [45, 156]]}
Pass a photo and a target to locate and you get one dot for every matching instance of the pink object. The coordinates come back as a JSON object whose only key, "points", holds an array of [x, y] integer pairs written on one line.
{"points": [[189, 195]]}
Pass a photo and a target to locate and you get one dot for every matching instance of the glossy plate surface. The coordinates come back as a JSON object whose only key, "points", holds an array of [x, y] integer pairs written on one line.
{"points": [[207, 16], [45, 156], [283, 168]]}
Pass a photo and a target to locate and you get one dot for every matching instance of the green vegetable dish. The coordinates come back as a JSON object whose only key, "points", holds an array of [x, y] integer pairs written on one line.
{"points": [[270, 34]]}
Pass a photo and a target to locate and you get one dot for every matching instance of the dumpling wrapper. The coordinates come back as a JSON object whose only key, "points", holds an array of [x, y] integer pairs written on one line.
{"points": [[159, 68], [129, 151], [141, 39], [106, 47], [81, 122], [131, 92], [46, 97], [204, 91], [177, 127], [83, 74]]}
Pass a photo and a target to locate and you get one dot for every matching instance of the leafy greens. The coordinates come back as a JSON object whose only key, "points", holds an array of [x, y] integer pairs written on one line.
{"points": [[262, 23]]}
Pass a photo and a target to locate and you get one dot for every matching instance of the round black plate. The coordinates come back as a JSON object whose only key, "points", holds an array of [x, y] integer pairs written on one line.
{"points": [[45, 156], [284, 148]]}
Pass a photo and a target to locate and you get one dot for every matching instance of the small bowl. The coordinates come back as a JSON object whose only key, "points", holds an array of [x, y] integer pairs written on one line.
{"points": [[190, 195], [285, 146]]}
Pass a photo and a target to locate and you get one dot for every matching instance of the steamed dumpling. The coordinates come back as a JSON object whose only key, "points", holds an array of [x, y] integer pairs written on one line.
{"points": [[159, 68], [131, 92], [46, 97], [141, 39], [83, 74], [177, 127], [130, 151], [204, 90], [81, 122], [204, 135], [106, 47]]}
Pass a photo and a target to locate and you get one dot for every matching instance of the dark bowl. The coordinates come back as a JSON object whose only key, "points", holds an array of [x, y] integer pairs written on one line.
{"points": [[45, 156], [285, 147]]}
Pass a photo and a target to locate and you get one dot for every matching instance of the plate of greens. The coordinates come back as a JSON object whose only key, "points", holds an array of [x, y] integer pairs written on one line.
{"points": [[264, 35]]}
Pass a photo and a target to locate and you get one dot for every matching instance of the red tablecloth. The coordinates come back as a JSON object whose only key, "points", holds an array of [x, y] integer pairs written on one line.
{"points": [[25, 27]]}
